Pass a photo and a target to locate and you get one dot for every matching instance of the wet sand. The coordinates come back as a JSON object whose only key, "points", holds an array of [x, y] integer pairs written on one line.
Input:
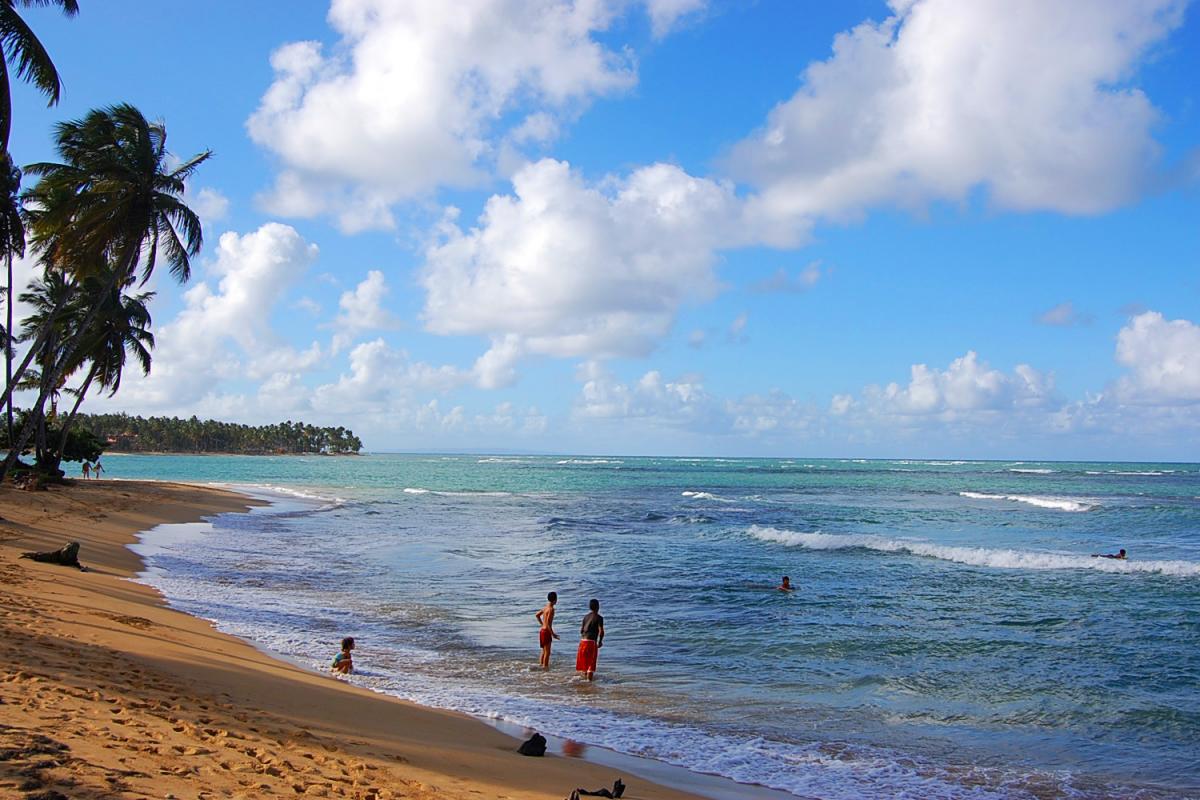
{"points": [[106, 692]]}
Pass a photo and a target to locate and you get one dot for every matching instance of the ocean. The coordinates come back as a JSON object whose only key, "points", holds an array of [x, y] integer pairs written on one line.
{"points": [[950, 636]]}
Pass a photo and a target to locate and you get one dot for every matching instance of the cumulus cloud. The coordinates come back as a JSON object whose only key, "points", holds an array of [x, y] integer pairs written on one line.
{"points": [[1163, 358], [416, 94], [564, 268], [683, 402], [380, 376], [938, 100], [361, 309], [1063, 315], [967, 385], [223, 332]]}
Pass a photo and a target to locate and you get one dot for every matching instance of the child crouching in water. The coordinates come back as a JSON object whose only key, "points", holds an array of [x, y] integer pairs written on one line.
{"points": [[343, 662]]}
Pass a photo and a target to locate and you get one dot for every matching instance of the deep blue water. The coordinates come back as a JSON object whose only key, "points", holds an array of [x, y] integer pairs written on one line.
{"points": [[951, 635]]}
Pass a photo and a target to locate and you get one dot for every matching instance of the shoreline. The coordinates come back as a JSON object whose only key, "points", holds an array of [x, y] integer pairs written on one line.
{"points": [[203, 697]]}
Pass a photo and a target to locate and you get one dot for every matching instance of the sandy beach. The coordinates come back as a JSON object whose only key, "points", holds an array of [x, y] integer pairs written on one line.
{"points": [[108, 693]]}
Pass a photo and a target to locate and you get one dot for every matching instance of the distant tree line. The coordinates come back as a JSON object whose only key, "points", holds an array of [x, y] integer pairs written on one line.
{"points": [[127, 434]]}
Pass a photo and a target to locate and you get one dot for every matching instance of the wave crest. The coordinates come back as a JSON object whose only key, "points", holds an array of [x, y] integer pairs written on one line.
{"points": [[706, 496], [975, 556], [1055, 503]]}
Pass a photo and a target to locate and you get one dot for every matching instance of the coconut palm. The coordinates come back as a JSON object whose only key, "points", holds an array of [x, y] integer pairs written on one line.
{"points": [[120, 330], [47, 298], [112, 206], [24, 55], [12, 243]]}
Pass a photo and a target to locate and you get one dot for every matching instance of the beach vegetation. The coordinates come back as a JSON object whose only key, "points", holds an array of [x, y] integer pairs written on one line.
{"points": [[23, 54], [64, 444], [123, 433], [101, 219], [118, 332]]}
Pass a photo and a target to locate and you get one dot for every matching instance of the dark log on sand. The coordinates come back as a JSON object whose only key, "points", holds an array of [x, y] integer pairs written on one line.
{"points": [[67, 556]]}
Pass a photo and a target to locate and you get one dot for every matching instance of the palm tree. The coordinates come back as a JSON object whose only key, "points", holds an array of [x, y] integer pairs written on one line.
{"points": [[20, 48], [12, 243], [121, 329], [113, 204], [24, 54]]}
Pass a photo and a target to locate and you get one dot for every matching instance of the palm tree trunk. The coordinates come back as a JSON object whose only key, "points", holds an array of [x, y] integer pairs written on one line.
{"points": [[8, 351], [38, 342], [70, 421], [58, 369]]}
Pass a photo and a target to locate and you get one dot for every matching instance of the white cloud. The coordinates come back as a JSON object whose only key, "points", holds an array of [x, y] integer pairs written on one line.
{"points": [[383, 379], [1027, 99], [1164, 360], [666, 14], [682, 402], [26, 269], [967, 385], [1063, 315], [563, 268], [416, 94], [193, 354], [210, 205], [361, 308]]}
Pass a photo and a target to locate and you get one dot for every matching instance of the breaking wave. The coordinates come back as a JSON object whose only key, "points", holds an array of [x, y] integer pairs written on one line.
{"points": [[706, 496], [1055, 503], [974, 556]]}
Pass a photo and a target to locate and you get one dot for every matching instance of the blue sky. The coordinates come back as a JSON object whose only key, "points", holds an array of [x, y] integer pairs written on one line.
{"points": [[923, 228]]}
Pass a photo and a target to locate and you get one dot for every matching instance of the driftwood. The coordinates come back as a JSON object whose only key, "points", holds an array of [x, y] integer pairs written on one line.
{"points": [[66, 556], [617, 790]]}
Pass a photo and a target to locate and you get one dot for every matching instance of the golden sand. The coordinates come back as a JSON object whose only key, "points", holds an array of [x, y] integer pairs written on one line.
{"points": [[106, 693]]}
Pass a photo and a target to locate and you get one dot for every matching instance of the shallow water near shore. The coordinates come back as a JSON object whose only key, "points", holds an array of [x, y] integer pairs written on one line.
{"points": [[950, 637]]}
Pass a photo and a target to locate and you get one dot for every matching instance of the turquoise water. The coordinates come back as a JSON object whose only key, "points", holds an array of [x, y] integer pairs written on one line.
{"points": [[951, 635]]}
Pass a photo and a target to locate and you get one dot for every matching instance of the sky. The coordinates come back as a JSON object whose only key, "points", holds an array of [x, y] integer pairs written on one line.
{"points": [[917, 228]]}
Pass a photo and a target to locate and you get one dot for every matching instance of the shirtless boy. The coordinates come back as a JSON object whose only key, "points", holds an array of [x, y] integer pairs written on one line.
{"points": [[592, 639], [546, 635]]}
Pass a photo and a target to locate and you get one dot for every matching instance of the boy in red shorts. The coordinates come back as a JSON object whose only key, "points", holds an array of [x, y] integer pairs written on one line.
{"points": [[546, 634], [592, 639]]}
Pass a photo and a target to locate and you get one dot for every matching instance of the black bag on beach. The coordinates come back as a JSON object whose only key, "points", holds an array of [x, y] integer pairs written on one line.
{"points": [[535, 746]]}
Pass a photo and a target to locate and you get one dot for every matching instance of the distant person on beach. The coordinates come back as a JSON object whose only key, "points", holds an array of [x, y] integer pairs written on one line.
{"points": [[343, 662], [592, 633], [786, 585], [546, 633], [97, 469], [1119, 555], [87, 470]]}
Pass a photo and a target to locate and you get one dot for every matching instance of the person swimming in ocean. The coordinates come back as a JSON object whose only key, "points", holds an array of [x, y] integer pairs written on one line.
{"points": [[1119, 555], [786, 585]]}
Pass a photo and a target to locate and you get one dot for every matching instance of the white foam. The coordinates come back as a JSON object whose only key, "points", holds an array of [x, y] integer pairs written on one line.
{"points": [[1055, 503], [1130, 472], [1032, 471], [706, 496], [999, 558], [441, 493], [589, 461]]}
